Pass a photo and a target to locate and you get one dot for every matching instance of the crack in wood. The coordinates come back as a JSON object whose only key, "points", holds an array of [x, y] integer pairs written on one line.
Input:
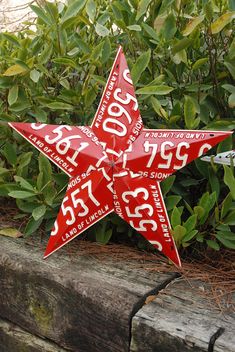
{"points": [[213, 339], [153, 292]]}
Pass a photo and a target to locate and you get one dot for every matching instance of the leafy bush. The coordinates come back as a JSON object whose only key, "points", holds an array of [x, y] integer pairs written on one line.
{"points": [[181, 55]]}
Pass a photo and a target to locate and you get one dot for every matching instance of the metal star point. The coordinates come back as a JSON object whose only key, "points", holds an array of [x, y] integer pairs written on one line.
{"points": [[117, 165]]}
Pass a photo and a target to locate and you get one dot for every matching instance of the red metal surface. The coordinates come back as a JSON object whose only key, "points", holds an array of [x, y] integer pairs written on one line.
{"points": [[159, 153], [116, 165], [88, 199], [138, 200], [74, 149], [117, 122]]}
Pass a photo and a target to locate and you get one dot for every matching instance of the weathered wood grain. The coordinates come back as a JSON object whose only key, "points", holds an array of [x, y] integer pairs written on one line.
{"points": [[14, 339], [82, 304], [180, 319]]}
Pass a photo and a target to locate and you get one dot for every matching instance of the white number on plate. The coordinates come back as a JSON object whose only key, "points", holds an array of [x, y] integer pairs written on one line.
{"points": [[145, 194], [166, 154], [78, 201], [63, 145]]}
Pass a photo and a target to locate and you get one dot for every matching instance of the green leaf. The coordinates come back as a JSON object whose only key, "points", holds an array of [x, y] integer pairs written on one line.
{"points": [[230, 218], [134, 27], [178, 234], [49, 193], [101, 30], [13, 94], [200, 237], [231, 101], [222, 21], [181, 44], [229, 87], [232, 50], [24, 159], [12, 39], [140, 65], [21, 194], [3, 171], [46, 53], [192, 24], [10, 153], [59, 106], [45, 167], [20, 106], [7, 187], [158, 90], [73, 52], [190, 110], [225, 145], [214, 182], [34, 75], [158, 108], [150, 31], [52, 10], [167, 184], [65, 61], [228, 235], [172, 201], [175, 217], [32, 226], [22, 64], [73, 9], [83, 46], [169, 28], [165, 6], [103, 236], [23, 183], [231, 67], [27, 206], [199, 63], [199, 211], [10, 232], [91, 9], [229, 179], [39, 212], [41, 14], [90, 97], [223, 227], [106, 51], [226, 205], [207, 201], [227, 243], [208, 10], [142, 8], [14, 70], [65, 83], [213, 244], [190, 224], [231, 5], [189, 236]]}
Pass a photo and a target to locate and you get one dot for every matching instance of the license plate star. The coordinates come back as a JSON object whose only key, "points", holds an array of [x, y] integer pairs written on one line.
{"points": [[117, 165]]}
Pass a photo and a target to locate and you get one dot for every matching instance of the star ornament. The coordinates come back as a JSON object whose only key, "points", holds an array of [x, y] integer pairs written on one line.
{"points": [[117, 165]]}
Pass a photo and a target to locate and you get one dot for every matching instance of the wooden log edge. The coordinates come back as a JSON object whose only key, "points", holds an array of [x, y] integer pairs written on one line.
{"points": [[15, 339], [79, 302]]}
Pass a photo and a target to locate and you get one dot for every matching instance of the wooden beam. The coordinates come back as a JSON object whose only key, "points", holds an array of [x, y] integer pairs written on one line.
{"points": [[181, 319], [15, 339], [82, 303]]}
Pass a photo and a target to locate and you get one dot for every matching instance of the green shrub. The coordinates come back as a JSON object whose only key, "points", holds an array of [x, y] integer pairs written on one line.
{"points": [[181, 53]]}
